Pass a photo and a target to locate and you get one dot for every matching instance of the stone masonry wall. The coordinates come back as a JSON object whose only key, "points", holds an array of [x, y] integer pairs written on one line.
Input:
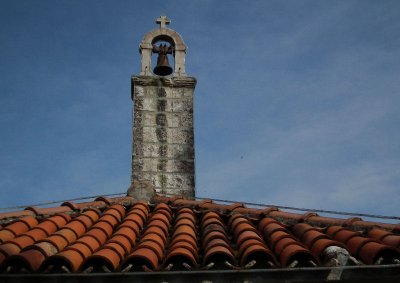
{"points": [[163, 135]]}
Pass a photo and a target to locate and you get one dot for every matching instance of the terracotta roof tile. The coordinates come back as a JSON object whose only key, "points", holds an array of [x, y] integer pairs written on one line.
{"points": [[121, 234], [17, 228], [16, 214], [49, 210], [183, 250], [386, 237]]}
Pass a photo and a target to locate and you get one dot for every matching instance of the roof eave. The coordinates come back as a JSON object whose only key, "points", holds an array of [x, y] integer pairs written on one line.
{"points": [[390, 273]]}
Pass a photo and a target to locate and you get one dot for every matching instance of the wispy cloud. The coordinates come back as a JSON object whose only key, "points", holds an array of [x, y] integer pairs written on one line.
{"points": [[296, 103]]}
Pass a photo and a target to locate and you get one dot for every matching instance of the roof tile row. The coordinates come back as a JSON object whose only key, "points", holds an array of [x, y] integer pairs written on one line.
{"points": [[121, 234]]}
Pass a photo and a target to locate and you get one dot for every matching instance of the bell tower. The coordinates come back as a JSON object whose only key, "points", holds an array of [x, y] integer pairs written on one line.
{"points": [[163, 135]]}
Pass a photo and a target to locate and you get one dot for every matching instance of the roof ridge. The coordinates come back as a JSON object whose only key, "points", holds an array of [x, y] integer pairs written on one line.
{"points": [[309, 216]]}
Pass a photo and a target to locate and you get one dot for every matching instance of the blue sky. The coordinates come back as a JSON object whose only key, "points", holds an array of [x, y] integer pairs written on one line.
{"points": [[297, 102]]}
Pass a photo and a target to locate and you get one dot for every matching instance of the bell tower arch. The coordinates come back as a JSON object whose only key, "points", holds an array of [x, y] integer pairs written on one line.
{"points": [[164, 34], [163, 134]]}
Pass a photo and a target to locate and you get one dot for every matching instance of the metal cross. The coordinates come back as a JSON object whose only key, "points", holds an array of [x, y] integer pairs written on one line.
{"points": [[163, 21]]}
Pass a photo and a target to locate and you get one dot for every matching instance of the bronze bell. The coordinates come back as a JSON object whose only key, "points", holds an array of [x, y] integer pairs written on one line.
{"points": [[163, 68]]}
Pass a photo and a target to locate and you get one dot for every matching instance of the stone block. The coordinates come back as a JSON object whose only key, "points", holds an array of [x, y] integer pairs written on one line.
{"points": [[186, 120], [163, 135], [175, 93], [179, 105], [162, 92], [138, 91], [172, 120], [164, 105], [175, 151], [169, 180], [185, 192], [157, 165], [145, 104]]}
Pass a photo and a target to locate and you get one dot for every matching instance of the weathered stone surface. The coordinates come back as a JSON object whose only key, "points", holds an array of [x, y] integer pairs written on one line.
{"points": [[187, 193], [172, 82], [163, 135], [141, 190], [173, 151], [157, 165], [139, 91], [163, 105], [172, 120], [179, 93], [170, 180]]}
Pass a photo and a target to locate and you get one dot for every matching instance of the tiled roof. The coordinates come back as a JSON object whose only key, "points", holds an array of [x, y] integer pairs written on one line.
{"points": [[169, 234]]}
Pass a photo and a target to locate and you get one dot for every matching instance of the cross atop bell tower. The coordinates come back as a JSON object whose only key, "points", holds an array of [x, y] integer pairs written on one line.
{"points": [[163, 21], [163, 134]]}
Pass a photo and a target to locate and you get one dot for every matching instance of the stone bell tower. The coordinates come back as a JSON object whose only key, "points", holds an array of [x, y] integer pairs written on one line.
{"points": [[163, 136]]}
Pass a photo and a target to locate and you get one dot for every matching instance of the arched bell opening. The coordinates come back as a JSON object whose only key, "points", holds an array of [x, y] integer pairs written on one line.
{"points": [[175, 57], [163, 56]]}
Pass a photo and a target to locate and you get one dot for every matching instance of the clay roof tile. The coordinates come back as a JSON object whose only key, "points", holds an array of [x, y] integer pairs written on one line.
{"points": [[120, 233]]}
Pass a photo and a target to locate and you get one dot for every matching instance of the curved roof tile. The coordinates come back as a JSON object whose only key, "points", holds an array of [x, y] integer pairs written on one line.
{"points": [[121, 234]]}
